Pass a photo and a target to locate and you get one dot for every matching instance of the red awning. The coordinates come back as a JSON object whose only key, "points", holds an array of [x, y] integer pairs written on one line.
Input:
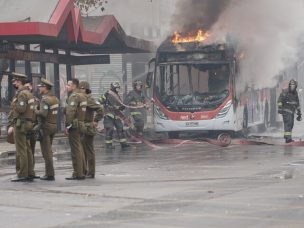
{"points": [[67, 29]]}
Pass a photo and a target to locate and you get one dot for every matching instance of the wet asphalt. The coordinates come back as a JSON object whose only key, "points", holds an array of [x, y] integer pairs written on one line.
{"points": [[199, 185]]}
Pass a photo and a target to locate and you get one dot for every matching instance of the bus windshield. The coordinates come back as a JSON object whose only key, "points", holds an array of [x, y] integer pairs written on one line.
{"points": [[192, 87]]}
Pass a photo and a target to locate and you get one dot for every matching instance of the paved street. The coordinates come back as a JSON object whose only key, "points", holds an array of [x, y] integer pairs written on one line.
{"points": [[186, 186]]}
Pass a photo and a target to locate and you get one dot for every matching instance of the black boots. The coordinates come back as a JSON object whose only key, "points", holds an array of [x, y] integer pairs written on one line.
{"points": [[47, 178], [124, 145], [288, 140], [109, 146]]}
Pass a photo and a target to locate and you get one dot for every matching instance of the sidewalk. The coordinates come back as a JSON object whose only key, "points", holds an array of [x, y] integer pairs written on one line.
{"points": [[6, 148], [7, 151]]}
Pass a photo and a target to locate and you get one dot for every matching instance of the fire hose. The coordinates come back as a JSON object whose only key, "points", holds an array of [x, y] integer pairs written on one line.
{"points": [[117, 98]]}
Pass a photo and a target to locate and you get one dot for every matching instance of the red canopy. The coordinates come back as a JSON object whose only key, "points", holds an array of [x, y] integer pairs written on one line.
{"points": [[67, 29]]}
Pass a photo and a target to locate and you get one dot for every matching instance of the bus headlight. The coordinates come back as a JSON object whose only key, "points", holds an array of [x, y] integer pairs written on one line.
{"points": [[160, 113], [224, 110]]}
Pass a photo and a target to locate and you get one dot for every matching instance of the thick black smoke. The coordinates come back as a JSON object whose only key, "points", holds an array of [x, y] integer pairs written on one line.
{"points": [[192, 15], [267, 32]]}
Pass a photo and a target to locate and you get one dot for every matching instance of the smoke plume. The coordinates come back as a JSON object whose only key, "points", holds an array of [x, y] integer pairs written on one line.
{"points": [[267, 32], [197, 14]]}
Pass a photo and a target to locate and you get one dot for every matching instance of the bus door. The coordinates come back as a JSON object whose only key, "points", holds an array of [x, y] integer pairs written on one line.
{"points": [[236, 99], [150, 78]]}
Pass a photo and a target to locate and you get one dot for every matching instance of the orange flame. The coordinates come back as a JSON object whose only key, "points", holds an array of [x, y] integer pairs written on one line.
{"points": [[242, 55], [200, 36]]}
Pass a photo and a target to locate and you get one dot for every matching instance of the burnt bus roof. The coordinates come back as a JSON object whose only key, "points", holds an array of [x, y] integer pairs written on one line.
{"points": [[194, 52], [168, 46]]}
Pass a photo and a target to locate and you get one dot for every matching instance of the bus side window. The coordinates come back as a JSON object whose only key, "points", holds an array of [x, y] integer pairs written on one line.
{"points": [[149, 79]]}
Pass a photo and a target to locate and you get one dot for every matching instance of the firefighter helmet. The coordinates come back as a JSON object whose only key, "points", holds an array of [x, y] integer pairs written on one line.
{"points": [[293, 84], [136, 83], [115, 85]]}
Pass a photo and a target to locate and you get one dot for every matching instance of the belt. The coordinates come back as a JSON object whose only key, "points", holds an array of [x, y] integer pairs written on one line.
{"points": [[26, 119]]}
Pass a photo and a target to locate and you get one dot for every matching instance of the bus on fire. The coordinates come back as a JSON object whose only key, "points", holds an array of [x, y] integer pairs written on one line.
{"points": [[195, 88]]}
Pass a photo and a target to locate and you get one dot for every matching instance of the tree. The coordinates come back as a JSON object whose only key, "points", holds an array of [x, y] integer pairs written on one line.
{"points": [[85, 5]]}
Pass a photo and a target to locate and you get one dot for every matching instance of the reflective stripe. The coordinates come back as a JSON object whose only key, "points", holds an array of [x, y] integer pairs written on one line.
{"points": [[292, 102], [83, 103], [109, 141], [280, 104], [287, 110], [54, 106], [123, 140], [110, 115], [287, 133], [31, 101], [135, 113], [136, 103]]}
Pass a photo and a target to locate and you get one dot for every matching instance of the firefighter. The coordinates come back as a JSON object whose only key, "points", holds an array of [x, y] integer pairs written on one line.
{"points": [[21, 123], [90, 122], [288, 104], [47, 125], [136, 98], [75, 114], [113, 116]]}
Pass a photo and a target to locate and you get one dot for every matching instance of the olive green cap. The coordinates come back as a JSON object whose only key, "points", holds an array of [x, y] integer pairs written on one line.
{"points": [[18, 76], [44, 82]]}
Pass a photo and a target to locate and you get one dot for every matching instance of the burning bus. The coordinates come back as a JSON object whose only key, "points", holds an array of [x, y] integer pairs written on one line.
{"points": [[194, 86]]}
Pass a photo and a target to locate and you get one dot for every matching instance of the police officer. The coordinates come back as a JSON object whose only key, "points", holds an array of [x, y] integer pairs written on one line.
{"points": [[31, 136], [47, 125], [288, 104], [21, 123], [113, 116], [75, 114], [136, 98], [90, 123]]}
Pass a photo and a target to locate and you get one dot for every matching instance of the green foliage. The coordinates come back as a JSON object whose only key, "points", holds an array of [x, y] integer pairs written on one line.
{"points": [[85, 5]]}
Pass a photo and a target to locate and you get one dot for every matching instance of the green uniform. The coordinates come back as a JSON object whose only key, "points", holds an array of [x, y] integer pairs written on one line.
{"points": [[32, 140], [22, 118], [47, 114], [31, 136], [136, 98], [88, 136], [75, 113]]}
